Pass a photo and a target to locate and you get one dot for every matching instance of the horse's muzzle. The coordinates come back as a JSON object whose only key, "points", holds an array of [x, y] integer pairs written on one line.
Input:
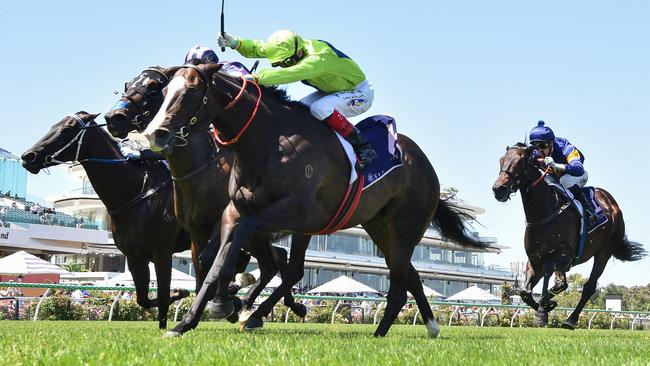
{"points": [[117, 123], [501, 193]]}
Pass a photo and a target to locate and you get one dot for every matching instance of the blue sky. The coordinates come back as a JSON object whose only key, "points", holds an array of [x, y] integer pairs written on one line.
{"points": [[463, 79]]}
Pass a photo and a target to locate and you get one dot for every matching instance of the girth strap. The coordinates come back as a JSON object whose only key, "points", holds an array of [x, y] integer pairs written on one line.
{"points": [[346, 209]]}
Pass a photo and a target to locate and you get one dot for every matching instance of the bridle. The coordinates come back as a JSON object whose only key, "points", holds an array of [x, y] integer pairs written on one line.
{"points": [[78, 139], [138, 87], [184, 131]]}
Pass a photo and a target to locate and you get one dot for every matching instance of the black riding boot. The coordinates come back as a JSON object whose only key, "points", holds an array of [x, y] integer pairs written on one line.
{"points": [[587, 205], [362, 147]]}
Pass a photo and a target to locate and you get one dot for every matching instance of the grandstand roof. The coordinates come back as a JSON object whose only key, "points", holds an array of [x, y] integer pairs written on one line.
{"points": [[7, 155]]}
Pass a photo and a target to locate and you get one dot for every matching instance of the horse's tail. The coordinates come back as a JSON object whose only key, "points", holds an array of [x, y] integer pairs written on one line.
{"points": [[450, 222], [629, 251]]}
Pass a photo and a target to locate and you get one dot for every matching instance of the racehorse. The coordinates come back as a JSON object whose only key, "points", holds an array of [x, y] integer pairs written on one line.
{"points": [[553, 230], [200, 172], [138, 198], [290, 174]]}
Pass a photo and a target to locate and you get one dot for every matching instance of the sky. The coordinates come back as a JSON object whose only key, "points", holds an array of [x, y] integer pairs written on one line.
{"points": [[464, 79]]}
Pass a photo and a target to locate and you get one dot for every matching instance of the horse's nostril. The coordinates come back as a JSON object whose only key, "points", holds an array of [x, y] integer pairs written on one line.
{"points": [[29, 157]]}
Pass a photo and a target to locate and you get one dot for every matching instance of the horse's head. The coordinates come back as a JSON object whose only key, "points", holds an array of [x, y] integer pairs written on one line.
{"points": [[142, 98], [195, 97], [517, 167], [62, 143]]}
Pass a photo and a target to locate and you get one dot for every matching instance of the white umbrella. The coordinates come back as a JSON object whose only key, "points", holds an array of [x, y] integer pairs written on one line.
{"points": [[24, 263], [179, 279], [428, 292], [343, 284], [473, 293]]}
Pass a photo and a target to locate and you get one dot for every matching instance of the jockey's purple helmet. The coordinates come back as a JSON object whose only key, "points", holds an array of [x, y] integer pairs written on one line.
{"points": [[201, 55], [541, 133]]}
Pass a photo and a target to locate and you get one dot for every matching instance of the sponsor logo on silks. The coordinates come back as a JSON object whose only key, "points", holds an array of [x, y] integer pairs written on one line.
{"points": [[120, 105], [356, 102]]}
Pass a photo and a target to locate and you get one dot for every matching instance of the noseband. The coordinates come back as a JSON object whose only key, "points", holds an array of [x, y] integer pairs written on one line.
{"points": [[78, 139]]}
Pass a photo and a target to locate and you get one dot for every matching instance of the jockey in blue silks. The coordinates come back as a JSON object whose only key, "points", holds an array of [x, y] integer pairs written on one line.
{"points": [[566, 161]]}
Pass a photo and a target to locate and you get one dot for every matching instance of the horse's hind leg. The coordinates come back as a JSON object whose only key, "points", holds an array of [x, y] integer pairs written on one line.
{"points": [[415, 287], [600, 261]]}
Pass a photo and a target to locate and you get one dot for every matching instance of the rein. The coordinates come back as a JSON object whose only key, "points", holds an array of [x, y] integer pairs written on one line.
{"points": [[196, 171]]}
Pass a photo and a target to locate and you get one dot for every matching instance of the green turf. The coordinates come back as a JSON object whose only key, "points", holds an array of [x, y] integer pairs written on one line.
{"points": [[141, 343]]}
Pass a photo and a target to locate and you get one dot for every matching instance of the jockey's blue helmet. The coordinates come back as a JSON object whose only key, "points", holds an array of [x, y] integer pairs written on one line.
{"points": [[541, 134], [201, 55]]}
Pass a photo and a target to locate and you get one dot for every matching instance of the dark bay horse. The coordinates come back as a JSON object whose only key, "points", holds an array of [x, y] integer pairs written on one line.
{"points": [[290, 174], [201, 173], [138, 198], [553, 229]]}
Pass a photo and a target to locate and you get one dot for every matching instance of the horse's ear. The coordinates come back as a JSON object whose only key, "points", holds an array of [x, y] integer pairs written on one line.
{"points": [[507, 148], [88, 116]]}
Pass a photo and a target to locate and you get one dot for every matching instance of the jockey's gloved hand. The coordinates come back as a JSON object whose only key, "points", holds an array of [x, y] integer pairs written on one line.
{"points": [[250, 77], [132, 155], [552, 164], [226, 40]]}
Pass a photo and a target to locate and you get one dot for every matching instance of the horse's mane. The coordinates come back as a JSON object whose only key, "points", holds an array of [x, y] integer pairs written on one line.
{"points": [[280, 94]]}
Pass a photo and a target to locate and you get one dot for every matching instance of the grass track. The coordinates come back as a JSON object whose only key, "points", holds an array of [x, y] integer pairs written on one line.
{"points": [[140, 343]]}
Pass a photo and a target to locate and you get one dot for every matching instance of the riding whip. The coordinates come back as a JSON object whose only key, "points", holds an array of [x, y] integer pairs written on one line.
{"points": [[223, 32]]}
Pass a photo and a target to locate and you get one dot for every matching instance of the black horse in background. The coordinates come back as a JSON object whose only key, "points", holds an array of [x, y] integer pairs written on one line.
{"points": [[291, 174], [553, 232], [201, 171], [138, 197]]}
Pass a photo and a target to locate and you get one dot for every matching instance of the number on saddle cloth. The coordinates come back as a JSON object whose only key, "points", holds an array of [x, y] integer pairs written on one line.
{"points": [[381, 132]]}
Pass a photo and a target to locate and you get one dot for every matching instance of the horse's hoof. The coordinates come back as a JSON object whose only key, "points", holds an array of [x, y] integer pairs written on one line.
{"points": [[300, 310], [172, 334], [234, 317], [183, 293], [253, 323], [433, 330], [244, 315], [567, 324], [541, 319], [550, 305], [221, 310]]}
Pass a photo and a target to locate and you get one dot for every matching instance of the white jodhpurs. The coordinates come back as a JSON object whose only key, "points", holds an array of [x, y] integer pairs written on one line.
{"points": [[349, 103], [567, 181]]}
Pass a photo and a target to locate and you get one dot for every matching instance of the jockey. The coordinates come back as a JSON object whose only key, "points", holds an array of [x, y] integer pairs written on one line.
{"points": [[566, 162], [132, 149], [342, 88], [201, 55]]}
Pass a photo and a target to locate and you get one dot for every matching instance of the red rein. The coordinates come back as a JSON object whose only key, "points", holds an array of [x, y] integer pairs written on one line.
{"points": [[231, 104]]}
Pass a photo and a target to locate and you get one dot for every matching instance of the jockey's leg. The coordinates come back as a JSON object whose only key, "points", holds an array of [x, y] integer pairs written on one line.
{"points": [[352, 135], [333, 109]]}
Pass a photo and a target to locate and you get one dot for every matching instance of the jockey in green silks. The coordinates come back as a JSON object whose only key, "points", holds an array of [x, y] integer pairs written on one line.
{"points": [[342, 88]]}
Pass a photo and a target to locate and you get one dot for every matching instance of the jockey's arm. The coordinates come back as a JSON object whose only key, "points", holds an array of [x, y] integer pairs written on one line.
{"points": [[251, 48], [308, 68], [574, 164]]}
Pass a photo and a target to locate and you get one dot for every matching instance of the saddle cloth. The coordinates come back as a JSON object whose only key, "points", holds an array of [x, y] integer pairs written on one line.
{"points": [[380, 130]]}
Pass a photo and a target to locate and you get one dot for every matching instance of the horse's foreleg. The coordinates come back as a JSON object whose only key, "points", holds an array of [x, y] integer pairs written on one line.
{"points": [[262, 252], [293, 274], [163, 277], [526, 292], [140, 272], [210, 284], [560, 283], [280, 259], [600, 261]]}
